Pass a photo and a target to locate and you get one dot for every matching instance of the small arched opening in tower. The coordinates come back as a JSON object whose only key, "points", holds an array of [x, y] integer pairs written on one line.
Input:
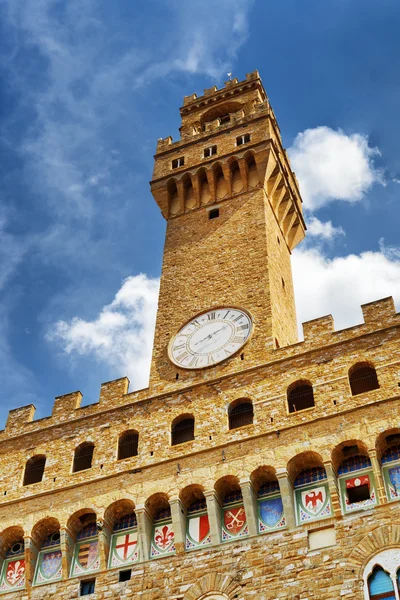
{"points": [[240, 413], [128, 444], [363, 378], [83, 457], [300, 395], [34, 469], [182, 429]]}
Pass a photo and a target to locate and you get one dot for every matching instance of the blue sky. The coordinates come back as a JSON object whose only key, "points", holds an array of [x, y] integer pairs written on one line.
{"points": [[86, 89]]}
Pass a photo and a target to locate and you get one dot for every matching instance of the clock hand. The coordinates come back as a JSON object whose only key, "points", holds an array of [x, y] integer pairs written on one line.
{"points": [[208, 337]]}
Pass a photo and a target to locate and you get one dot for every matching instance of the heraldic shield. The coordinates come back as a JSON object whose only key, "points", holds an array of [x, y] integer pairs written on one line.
{"points": [[313, 500], [86, 557], [394, 482], [125, 548], [235, 524], [313, 503], [198, 532], [13, 576], [271, 514], [163, 540], [49, 566]]}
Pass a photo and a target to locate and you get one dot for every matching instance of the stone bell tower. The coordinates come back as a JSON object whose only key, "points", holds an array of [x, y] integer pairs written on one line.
{"points": [[234, 213]]}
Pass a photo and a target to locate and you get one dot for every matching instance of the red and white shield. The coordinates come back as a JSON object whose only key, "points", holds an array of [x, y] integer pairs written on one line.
{"points": [[234, 519], [164, 537], [125, 545], [15, 571], [314, 500], [199, 528], [357, 481]]}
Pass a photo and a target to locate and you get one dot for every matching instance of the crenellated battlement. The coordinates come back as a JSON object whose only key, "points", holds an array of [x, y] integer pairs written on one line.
{"points": [[319, 337]]}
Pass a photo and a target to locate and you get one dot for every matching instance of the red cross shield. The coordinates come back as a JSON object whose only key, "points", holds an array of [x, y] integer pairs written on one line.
{"points": [[125, 546]]}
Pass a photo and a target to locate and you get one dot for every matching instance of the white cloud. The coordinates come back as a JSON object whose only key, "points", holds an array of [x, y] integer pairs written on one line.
{"points": [[331, 165], [121, 336], [324, 230], [339, 286]]}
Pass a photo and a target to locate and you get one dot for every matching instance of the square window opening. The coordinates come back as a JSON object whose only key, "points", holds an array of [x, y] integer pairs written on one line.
{"points": [[178, 162], [124, 575], [210, 151], [358, 494], [243, 139], [87, 587], [214, 213]]}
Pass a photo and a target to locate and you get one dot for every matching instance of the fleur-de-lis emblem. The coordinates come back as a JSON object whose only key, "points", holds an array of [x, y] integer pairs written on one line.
{"points": [[15, 571], [164, 537]]}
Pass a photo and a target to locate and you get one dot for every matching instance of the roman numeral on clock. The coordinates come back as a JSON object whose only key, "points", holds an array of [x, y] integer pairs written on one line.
{"points": [[238, 339], [182, 356], [176, 348], [211, 316], [193, 362], [237, 318], [242, 327]]}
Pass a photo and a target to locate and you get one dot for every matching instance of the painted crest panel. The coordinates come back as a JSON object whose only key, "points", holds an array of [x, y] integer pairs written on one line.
{"points": [[86, 557], [12, 574], [198, 531], [234, 523], [124, 548], [392, 480], [48, 566], [270, 514], [163, 539], [313, 502], [355, 480]]}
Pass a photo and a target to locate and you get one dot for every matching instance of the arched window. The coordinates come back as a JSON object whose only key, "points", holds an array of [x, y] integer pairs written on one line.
{"points": [[86, 557], [49, 554], [12, 576], [124, 546], [300, 396], [162, 539], [362, 378], [356, 480], [83, 457], [391, 467], [312, 495], [197, 523], [240, 413], [269, 501], [380, 585], [234, 520], [182, 430], [128, 444], [34, 469]]}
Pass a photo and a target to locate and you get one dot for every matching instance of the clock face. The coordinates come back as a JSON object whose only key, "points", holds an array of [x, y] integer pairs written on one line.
{"points": [[210, 338]]}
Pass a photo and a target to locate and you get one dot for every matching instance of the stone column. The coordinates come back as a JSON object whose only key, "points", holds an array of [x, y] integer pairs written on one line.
{"points": [[382, 498], [31, 553], [250, 505], [286, 489], [104, 536], [214, 516], [333, 488], [144, 527], [178, 514], [67, 546]]}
